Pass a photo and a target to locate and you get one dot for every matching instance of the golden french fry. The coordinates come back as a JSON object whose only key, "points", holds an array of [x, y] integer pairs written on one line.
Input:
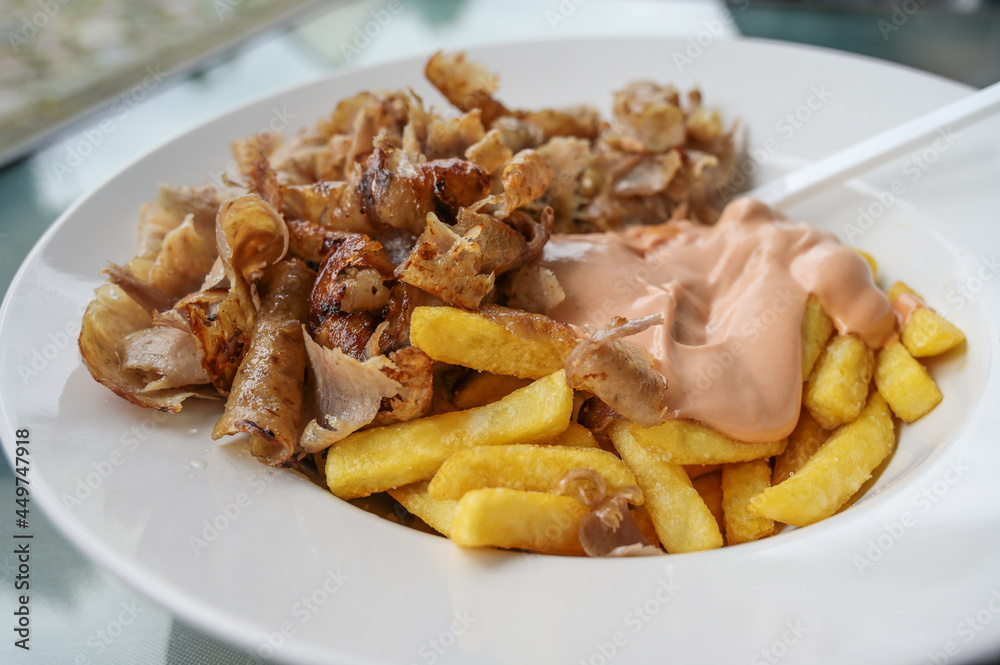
{"points": [[484, 388], [437, 513], [683, 522], [899, 288], [501, 517], [904, 383], [927, 333], [645, 524], [805, 440], [838, 385], [832, 475], [494, 339], [698, 470], [740, 483], [709, 486], [816, 329], [686, 442], [576, 436], [523, 467], [385, 457]]}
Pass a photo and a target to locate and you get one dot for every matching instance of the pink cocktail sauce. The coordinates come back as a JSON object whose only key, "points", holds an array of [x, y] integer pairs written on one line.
{"points": [[732, 297]]}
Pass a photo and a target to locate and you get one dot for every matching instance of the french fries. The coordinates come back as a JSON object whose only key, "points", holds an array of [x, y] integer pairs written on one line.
{"points": [[904, 383], [576, 436], [684, 442], [838, 385], [927, 333], [386, 457], [816, 329], [709, 486], [741, 482], [805, 439], [437, 513], [496, 340], [683, 522], [837, 470], [536, 521], [523, 467], [484, 388]]}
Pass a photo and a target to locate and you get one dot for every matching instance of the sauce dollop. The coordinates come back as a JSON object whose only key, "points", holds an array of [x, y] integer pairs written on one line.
{"points": [[732, 297]]}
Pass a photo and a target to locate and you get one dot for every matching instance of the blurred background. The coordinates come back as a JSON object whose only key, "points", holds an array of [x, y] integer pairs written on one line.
{"points": [[108, 80]]}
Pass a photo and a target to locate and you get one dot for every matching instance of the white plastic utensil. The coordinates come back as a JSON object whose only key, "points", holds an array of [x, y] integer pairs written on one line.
{"points": [[860, 157]]}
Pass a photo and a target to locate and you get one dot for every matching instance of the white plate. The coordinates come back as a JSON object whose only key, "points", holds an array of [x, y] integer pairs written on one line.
{"points": [[290, 570]]}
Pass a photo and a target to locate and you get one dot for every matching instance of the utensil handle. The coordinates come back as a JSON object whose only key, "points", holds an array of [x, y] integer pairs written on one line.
{"points": [[860, 157]]}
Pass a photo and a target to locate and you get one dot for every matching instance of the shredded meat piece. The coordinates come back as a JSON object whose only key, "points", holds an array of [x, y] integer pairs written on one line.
{"points": [[447, 137], [166, 354], [110, 318], [447, 265], [334, 205], [265, 182], [489, 153], [525, 177], [349, 332], [620, 373], [457, 183], [502, 246], [148, 297], [348, 394], [650, 176], [356, 259], [532, 288], [413, 370], [395, 192], [466, 84], [311, 242], [403, 299], [169, 211], [648, 117], [577, 121], [597, 416], [518, 134]]}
